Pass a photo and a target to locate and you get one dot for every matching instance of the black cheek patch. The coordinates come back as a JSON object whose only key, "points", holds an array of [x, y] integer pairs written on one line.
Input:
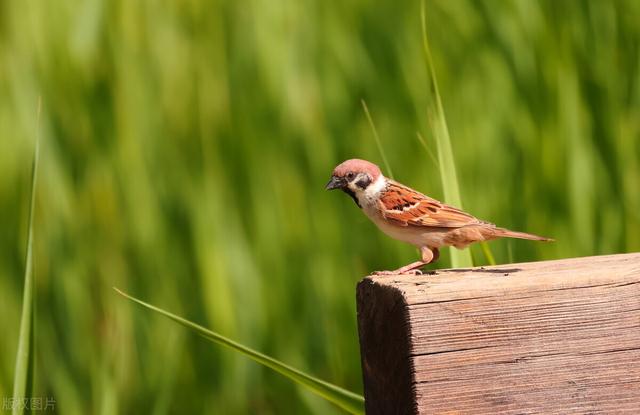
{"points": [[352, 194], [364, 182]]}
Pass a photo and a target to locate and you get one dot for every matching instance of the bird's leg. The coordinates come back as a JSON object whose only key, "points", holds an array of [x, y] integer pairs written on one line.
{"points": [[428, 256], [436, 254]]}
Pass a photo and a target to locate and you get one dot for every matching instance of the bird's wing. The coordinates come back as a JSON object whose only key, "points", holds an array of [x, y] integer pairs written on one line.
{"points": [[407, 207]]}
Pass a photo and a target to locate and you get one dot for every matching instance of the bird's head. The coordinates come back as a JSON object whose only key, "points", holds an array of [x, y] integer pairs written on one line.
{"points": [[354, 177]]}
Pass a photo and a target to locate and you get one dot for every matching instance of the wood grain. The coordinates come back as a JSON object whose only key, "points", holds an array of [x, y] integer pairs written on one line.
{"points": [[553, 337]]}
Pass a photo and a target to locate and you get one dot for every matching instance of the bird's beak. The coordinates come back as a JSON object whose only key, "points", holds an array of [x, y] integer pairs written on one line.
{"points": [[336, 183]]}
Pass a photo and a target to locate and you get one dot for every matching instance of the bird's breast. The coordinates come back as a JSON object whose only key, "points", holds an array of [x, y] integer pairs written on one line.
{"points": [[415, 235]]}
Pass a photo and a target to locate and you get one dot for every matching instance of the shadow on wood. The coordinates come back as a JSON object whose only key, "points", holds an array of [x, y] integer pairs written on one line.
{"points": [[543, 337]]}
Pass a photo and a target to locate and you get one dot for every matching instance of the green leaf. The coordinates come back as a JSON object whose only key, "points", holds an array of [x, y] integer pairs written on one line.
{"points": [[349, 401], [446, 163], [24, 373]]}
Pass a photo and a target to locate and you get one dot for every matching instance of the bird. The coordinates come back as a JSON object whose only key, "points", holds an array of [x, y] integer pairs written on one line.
{"points": [[409, 216]]}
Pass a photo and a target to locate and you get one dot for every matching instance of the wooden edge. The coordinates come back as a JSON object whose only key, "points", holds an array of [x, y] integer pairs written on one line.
{"points": [[385, 344], [455, 284]]}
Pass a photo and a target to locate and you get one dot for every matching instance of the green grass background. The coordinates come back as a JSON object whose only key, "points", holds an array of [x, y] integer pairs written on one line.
{"points": [[186, 144]]}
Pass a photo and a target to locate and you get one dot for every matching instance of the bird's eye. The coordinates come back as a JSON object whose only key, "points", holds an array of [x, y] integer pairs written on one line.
{"points": [[351, 176]]}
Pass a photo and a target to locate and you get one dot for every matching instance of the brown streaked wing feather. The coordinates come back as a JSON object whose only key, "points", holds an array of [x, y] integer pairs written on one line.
{"points": [[407, 207]]}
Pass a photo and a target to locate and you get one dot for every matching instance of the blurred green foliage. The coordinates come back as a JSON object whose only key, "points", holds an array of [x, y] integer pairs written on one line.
{"points": [[185, 146]]}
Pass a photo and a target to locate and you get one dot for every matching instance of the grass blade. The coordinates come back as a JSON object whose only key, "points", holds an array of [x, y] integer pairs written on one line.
{"points": [[377, 138], [446, 163], [423, 142], [488, 255], [24, 372], [349, 401], [437, 121]]}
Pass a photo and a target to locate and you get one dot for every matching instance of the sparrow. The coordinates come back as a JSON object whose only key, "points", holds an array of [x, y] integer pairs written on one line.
{"points": [[412, 217]]}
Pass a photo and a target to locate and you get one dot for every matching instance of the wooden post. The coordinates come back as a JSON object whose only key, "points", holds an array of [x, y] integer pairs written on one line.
{"points": [[553, 337]]}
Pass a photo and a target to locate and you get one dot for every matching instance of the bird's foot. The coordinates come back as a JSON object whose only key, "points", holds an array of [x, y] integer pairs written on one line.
{"points": [[412, 269], [398, 272]]}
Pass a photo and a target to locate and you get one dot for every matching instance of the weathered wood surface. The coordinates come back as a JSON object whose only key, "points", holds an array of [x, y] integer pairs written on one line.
{"points": [[553, 337]]}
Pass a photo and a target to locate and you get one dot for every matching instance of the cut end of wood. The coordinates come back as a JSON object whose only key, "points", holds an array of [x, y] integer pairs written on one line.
{"points": [[385, 342], [541, 337]]}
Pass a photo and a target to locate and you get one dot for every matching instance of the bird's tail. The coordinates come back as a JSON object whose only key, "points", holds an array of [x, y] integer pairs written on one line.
{"points": [[506, 233]]}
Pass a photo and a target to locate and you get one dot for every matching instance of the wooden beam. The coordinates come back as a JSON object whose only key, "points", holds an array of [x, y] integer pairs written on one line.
{"points": [[553, 337]]}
